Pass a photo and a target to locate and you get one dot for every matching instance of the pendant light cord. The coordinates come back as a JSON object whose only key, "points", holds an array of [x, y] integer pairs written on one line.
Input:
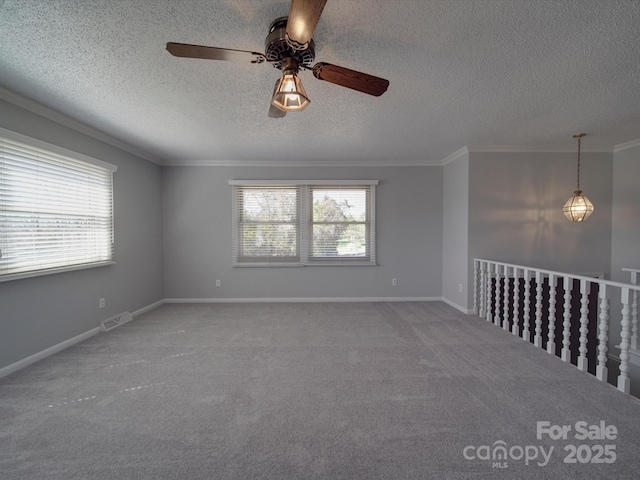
{"points": [[579, 137]]}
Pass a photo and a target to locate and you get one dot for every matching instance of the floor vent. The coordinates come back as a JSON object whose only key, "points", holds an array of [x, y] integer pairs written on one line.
{"points": [[116, 321]]}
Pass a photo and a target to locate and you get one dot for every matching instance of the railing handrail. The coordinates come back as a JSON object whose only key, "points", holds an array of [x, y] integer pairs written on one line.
{"points": [[575, 276], [499, 301], [633, 274]]}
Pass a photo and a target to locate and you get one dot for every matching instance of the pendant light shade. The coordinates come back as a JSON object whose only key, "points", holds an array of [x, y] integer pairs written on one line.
{"points": [[289, 94], [578, 208]]}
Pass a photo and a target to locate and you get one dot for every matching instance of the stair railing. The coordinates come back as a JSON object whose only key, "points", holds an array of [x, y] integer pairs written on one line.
{"points": [[557, 310]]}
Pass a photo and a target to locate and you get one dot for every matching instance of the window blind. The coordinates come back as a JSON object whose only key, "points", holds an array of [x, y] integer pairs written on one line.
{"points": [[266, 224], [56, 211], [340, 223]]}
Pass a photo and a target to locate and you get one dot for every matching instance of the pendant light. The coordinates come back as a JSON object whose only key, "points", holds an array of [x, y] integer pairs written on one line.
{"points": [[578, 208]]}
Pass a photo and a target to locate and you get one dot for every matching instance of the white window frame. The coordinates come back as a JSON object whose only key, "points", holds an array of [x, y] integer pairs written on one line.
{"points": [[303, 255], [74, 218]]}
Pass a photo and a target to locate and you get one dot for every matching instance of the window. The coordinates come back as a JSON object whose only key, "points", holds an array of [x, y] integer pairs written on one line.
{"points": [[267, 225], [303, 222], [56, 211]]}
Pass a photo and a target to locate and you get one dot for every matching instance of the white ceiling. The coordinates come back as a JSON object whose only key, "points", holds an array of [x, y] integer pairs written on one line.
{"points": [[482, 74]]}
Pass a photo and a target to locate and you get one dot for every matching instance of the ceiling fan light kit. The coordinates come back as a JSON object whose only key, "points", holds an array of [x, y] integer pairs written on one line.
{"points": [[289, 94], [289, 47]]}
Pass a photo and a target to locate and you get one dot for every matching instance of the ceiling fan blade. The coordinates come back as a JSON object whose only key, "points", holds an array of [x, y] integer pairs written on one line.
{"points": [[213, 53], [275, 112], [303, 18], [362, 82]]}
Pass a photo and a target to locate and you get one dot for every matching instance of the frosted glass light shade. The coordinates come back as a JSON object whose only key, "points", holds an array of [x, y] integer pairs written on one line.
{"points": [[578, 208], [290, 94]]}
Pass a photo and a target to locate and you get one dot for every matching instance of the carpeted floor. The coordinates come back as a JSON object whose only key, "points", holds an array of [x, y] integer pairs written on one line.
{"points": [[311, 391]]}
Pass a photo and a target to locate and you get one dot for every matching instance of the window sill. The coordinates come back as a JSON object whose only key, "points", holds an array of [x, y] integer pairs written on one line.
{"points": [[51, 271]]}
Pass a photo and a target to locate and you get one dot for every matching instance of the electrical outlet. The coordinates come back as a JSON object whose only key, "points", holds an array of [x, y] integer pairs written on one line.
{"points": [[101, 303], [394, 282], [217, 283], [460, 287]]}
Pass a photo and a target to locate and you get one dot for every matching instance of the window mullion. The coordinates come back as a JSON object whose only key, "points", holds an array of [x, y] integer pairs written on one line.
{"points": [[304, 222]]}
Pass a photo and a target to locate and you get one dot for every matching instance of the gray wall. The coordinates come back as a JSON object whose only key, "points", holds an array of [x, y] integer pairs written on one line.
{"points": [[625, 238], [515, 210], [625, 231], [197, 237], [455, 232], [173, 233], [40, 312]]}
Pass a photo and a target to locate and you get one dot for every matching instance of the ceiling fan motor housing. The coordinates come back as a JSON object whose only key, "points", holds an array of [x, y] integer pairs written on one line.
{"points": [[277, 49]]}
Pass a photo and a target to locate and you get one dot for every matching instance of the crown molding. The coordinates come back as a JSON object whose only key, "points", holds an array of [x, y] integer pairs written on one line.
{"points": [[517, 149], [303, 163], [62, 119], [627, 145], [455, 156]]}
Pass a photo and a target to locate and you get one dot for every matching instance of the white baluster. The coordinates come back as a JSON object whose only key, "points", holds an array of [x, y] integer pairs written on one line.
{"points": [[476, 272], [496, 312], [527, 306], [623, 379], [603, 337], [634, 321], [583, 363], [505, 300], [515, 328], [634, 313], [567, 283], [488, 302], [551, 340], [483, 288], [537, 338]]}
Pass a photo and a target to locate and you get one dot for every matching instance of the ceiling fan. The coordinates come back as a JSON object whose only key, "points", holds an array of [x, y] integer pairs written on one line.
{"points": [[289, 47]]}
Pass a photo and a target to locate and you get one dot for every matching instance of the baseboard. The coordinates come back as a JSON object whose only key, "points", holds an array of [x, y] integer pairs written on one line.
{"points": [[456, 306], [14, 367], [148, 308], [302, 300]]}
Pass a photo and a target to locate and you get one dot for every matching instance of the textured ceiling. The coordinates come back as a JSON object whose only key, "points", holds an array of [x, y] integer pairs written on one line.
{"points": [[485, 74]]}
